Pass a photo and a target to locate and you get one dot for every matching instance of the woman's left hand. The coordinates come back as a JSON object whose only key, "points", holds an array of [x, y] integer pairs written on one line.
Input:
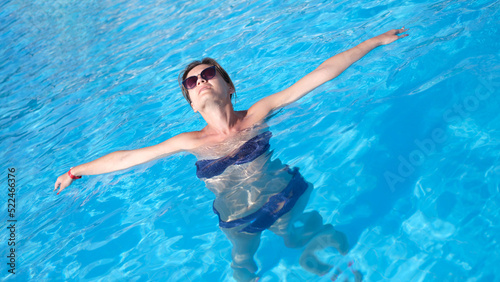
{"points": [[391, 36]]}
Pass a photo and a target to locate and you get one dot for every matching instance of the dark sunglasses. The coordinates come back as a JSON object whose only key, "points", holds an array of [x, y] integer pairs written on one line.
{"points": [[206, 74]]}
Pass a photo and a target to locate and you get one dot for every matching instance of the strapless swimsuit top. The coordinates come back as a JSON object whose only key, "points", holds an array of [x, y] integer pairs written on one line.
{"points": [[248, 152]]}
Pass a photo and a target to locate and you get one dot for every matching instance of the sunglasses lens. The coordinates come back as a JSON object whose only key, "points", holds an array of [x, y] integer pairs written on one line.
{"points": [[208, 73], [190, 82]]}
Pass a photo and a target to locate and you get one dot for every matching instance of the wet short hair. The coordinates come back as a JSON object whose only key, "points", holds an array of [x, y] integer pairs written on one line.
{"points": [[204, 61]]}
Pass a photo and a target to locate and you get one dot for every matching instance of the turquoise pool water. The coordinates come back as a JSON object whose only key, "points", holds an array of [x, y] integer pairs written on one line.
{"points": [[403, 148]]}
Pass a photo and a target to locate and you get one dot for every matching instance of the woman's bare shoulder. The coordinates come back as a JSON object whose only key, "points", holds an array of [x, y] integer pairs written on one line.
{"points": [[190, 140], [196, 139]]}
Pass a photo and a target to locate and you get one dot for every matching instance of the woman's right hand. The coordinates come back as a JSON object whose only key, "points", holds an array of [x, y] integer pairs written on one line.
{"points": [[62, 182], [391, 36]]}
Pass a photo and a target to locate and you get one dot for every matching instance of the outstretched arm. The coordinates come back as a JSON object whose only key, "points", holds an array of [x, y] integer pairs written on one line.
{"points": [[328, 70], [124, 159]]}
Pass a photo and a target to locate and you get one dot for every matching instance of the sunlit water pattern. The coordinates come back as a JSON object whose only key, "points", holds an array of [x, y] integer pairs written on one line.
{"points": [[402, 148]]}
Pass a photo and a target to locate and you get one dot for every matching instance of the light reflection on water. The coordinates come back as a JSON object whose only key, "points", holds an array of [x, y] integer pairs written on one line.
{"points": [[80, 80]]}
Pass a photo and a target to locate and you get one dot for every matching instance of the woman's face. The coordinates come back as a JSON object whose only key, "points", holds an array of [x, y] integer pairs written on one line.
{"points": [[212, 90]]}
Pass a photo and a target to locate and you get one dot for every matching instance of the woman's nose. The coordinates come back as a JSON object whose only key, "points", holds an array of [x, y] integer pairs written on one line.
{"points": [[200, 79]]}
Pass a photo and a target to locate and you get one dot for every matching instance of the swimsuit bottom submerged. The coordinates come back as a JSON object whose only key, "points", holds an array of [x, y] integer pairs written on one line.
{"points": [[276, 206]]}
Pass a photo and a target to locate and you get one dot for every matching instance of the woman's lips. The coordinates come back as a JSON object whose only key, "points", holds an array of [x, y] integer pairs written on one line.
{"points": [[203, 88]]}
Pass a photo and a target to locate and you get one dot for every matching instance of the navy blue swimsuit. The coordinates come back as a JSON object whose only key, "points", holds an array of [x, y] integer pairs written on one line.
{"points": [[276, 206], [248, 152]]}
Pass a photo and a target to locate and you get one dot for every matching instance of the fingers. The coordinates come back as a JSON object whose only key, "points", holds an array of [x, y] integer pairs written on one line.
{"points": [[401, 30], [61, 188], [59, 184]]}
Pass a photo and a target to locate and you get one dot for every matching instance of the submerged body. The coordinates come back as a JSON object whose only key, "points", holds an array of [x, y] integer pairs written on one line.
{"points": [[255, 192]]}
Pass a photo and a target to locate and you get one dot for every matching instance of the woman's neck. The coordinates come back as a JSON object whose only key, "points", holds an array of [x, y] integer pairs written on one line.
{"points": [[221, 119]]}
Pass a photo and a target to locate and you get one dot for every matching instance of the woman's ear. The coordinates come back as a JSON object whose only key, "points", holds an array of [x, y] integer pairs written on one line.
{"points": [[194, 109]]}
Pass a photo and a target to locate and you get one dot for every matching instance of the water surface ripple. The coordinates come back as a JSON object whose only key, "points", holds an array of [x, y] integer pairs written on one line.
{"points": [[403, 148]]}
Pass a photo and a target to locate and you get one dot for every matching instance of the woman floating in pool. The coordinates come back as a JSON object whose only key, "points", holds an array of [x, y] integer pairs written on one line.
{"points": [[253, 192]]}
